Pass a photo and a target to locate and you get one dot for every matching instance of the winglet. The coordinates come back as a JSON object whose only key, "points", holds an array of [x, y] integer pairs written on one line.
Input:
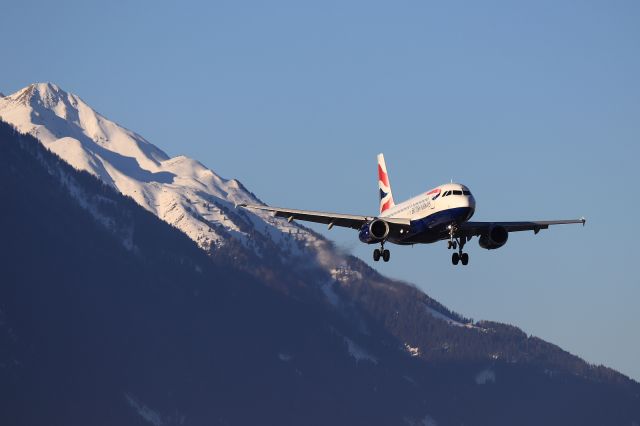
{"points": [[236, 205], [583, 220]]}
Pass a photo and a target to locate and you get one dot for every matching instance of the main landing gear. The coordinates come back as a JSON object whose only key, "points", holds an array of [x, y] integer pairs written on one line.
{"points": [[460, 257], [381, 252], [457, 243]]}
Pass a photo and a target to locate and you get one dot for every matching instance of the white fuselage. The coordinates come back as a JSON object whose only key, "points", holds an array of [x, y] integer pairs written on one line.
{"points": [[434, 201], [432, 212]]}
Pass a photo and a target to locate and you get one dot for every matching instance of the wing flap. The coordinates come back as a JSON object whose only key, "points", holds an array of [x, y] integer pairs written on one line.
{"points": [[331, 219], [478, 228]]}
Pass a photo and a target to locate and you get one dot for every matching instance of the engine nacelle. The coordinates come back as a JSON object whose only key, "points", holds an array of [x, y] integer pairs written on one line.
{"points": [[495, 238], [374, 231]]}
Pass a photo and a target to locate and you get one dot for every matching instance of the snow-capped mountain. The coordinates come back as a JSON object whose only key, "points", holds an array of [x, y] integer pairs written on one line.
{"points": [[179, 190]]}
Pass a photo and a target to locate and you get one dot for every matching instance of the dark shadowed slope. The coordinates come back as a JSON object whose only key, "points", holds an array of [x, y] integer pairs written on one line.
{"points": [[110, 316]]}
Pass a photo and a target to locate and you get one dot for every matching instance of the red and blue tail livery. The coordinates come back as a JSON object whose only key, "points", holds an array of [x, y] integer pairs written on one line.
{"points": [[386, 198], [440, 214]]}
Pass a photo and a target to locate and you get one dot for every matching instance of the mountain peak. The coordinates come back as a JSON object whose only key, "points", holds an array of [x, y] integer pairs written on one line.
{"points": [[47, 89], [46, 86], [180, 190], [45, 94]]}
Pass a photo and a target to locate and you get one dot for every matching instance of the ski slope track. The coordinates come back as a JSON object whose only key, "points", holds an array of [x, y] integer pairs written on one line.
{"points": [[179, 190]]}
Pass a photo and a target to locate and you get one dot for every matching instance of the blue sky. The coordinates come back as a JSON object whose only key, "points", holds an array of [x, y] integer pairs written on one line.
{"points": [[535, 106]]}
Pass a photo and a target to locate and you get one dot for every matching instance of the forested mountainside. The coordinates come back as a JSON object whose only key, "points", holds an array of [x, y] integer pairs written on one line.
{"points": [[109, 315]]}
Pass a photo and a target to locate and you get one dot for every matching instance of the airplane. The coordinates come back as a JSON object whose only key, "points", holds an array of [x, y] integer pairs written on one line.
{"points": [[440, 214]]}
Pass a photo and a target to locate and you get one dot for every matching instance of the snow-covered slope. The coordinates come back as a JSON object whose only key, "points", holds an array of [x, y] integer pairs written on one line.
{"points": [[179, 190]]}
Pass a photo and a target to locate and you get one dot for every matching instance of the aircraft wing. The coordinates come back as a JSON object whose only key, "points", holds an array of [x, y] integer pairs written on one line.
{"points": [[479, 228], [331, 219]]}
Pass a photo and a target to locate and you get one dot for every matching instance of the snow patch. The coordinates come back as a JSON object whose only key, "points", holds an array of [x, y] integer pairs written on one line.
{"points": [[285, 357], [439, 315], [410, 380], [358, 352], [341, 275], [329, 293], [485, 376], [345, 274], [412, 350], [427, 420], [145, 412], [442, 317]]}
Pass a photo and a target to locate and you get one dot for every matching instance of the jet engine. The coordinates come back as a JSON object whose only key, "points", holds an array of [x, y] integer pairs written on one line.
{"points": [[374, 231], [495, 238]]}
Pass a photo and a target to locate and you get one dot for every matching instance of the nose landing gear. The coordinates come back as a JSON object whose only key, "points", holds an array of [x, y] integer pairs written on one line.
{"points": [[381, 252]]}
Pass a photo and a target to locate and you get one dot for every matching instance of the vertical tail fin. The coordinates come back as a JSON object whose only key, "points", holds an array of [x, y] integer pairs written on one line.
{"points": [[386, 198]]}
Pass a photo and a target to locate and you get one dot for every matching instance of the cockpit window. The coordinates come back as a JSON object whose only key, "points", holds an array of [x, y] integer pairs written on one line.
{"points": [[446, 193], [457, 192], [466, 192]]}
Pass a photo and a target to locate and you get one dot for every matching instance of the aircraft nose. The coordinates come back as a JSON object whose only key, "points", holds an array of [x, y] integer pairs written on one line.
{"points": [[469, 202]]}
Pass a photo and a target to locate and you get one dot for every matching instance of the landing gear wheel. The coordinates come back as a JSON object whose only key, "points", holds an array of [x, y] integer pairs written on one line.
{"points": [[376, 255], [386, 255], [464, 258], [455, 258]]}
